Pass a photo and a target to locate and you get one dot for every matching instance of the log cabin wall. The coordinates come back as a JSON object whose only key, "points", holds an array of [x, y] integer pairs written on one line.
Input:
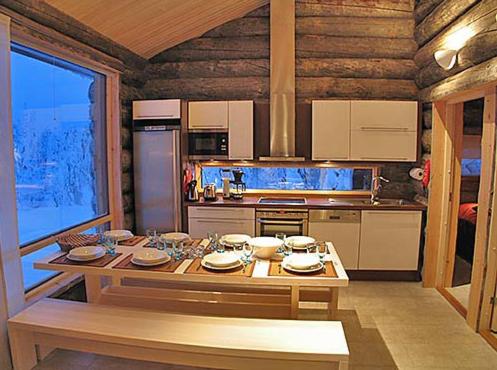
{"points": [[41, 21], [438, 25], [345, 49]]}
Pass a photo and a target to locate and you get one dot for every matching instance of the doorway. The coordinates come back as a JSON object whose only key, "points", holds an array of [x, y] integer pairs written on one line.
{"points": [[457, 281]]}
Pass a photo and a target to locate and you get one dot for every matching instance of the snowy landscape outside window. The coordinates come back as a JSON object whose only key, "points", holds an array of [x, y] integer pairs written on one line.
{"points": [[58, 118], [291, 178]]}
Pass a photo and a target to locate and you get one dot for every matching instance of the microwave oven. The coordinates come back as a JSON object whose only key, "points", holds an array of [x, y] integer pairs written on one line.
{"points": [[207, 145]]}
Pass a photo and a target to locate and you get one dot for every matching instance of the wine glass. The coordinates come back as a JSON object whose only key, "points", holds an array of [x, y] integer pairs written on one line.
{"points": [[247, 252], [213, 238]]}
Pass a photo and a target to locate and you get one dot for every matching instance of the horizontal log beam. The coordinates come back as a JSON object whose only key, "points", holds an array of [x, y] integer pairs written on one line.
{"points": [[355, 27], [478, 18], [477, 77], [355, 8], [444, 14], [423, 8], [307, 67], [479, 49], [354, 47], [246, 26], [328, 87]]}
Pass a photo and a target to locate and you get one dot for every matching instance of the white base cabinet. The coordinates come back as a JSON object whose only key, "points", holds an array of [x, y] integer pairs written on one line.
{"points": [[222, 220], [389, 240]]}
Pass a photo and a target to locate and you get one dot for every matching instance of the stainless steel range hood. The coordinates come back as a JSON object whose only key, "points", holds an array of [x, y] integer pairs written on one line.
{"points": [[282, 82]]}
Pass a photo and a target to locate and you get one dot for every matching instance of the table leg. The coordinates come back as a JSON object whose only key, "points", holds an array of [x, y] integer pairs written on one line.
{"points": [[295, 298], [333, 304], [93, 285]]}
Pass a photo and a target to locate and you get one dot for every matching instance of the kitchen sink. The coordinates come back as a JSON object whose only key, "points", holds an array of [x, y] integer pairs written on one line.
{"points": [[362, 201]]}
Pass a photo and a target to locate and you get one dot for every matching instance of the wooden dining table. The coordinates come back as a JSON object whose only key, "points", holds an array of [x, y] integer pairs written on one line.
{"points": [[261, 289]]}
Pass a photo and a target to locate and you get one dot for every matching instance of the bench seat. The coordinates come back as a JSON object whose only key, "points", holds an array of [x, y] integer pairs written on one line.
{"points": [[204, 341]]}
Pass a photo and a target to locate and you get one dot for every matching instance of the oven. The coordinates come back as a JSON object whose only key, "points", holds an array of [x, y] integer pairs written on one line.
{"points": [[282, 220], [207, 145]]}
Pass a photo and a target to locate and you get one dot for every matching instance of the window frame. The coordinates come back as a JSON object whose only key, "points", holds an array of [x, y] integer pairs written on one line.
{"points": [[115, 215]]}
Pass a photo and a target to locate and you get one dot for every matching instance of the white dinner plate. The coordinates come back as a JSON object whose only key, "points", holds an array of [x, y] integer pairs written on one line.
{"points": [[299, 261], [151, 256], [119, 235], [313, 269], [220, 268], [82, 254], [234, 239], [227, 259], [299, 242], [140, 263], [174, 237]]}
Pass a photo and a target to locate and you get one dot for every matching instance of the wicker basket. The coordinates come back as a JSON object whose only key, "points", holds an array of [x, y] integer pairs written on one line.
{"points": [[71, 241]]}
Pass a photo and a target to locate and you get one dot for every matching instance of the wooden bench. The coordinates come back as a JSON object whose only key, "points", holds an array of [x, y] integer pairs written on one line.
{"points": [[212, 342]]}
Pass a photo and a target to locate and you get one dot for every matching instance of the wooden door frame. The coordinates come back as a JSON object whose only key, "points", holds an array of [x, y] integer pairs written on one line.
{"points": [[444, 198]]}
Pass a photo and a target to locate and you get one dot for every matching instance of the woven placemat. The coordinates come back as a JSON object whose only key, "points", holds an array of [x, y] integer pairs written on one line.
{"points": [[126, 264], [196, 268], [101, 262], [275, 269], [132, 241]]}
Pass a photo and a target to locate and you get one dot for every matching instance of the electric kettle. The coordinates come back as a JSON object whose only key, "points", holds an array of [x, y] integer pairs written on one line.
{"points": [[191, 191]]}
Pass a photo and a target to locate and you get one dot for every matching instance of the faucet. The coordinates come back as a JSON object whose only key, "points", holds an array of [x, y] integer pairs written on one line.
{"points": [[376, 187]]}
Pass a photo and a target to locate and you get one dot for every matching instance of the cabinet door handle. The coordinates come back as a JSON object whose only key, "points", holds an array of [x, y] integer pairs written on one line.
{"points": [[381, 128], [387, 159], [155, 116], [219, 221]]}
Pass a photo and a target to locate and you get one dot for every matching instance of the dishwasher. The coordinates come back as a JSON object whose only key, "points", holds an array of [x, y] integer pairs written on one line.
{"points": [[342, 228]]}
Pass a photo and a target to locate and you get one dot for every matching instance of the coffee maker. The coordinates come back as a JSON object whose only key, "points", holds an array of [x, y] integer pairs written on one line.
{"points": [[237, 185]]}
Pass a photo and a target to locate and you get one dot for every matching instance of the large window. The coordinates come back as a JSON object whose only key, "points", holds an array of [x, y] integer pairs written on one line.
{"points": [[59, 131], [291, 178]]}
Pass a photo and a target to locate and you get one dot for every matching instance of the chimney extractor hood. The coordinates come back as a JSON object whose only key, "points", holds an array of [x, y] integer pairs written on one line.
{"points": [[282, 82]]}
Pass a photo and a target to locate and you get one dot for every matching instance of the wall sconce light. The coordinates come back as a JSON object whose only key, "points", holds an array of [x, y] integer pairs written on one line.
{"points": [[446, 58]]}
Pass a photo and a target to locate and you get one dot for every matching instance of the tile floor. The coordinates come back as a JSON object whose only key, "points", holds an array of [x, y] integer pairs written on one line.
{"points": [[389, 325]]}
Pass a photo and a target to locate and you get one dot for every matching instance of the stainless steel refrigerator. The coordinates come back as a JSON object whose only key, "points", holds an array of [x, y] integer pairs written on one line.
{"points": [[156, 158]]}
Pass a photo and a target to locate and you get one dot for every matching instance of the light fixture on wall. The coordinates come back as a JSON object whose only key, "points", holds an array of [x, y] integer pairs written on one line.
{"points": [[446, 58]]}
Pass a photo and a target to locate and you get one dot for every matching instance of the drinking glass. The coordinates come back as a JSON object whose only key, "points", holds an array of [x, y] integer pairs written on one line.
{"points": [[312, 248], [161, 245], [280, 236], [152, 237], [247, 252], [178, 248], [110, 244], [213, 238], [287, 249], [321, 250]]}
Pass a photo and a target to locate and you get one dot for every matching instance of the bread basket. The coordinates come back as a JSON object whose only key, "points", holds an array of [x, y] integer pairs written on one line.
{"points": [[68, 242]]}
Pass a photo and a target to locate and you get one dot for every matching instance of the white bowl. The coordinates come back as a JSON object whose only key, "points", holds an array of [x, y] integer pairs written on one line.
{"points": [[150, 256], [221, 259], [264, 246], [174, 237], [119, 235]]}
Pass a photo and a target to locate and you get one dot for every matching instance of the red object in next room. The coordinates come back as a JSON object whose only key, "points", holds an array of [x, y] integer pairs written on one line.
{"points": [[426, 175]]}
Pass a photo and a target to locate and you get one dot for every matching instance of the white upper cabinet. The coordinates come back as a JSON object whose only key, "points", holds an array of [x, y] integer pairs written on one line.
{"points": [[157, 109], [208, 115], [384, 115], [330, 129], [241, 129]]}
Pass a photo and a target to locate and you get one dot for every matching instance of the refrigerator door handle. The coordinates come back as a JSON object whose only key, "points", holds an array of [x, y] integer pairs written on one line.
{"points": [[176, 180]]}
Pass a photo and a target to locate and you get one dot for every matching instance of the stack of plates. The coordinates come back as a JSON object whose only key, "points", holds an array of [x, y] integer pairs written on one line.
{"points": [[302, 263], [174, 237], [82, 254], [221, 261], [150, 257], [231, 240], [299, 242], [119, 235]]}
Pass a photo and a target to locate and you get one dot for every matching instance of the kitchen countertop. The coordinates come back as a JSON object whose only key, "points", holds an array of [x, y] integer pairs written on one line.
{"points": [[313, 203]]}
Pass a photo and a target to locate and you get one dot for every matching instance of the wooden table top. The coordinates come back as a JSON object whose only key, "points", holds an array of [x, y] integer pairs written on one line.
{"points": [[260, 273]]}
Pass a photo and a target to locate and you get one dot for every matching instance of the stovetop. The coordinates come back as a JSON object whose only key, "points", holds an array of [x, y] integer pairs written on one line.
{"points": [[282, 201]]}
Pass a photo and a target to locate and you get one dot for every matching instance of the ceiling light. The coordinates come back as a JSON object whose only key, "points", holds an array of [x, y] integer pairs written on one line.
{"points": [[446, 58]]}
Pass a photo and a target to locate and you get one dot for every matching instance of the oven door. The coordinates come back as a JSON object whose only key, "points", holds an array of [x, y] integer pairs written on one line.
{"points": [[273, 226]]}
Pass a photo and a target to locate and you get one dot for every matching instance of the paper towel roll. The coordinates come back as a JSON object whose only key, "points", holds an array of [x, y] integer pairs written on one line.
{"points": [[416, 173]]}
